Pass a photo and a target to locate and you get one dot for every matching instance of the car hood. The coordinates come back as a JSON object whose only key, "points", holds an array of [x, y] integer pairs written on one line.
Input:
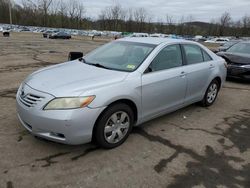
{"points": [[72, 78], [235, 57]]}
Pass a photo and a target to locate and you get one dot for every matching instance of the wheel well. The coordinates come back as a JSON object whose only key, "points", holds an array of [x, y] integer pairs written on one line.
{"points": [[218, 79], [128, 102]]}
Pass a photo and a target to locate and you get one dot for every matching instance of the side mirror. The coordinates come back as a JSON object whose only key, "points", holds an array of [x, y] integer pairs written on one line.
{"points": [[148, 70], [74, 55]]}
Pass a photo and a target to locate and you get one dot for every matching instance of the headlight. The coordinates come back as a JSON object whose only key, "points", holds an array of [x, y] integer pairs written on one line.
{"points": [[69, 103]]}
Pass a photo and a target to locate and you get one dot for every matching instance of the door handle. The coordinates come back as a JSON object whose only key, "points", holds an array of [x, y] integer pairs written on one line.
{"points": [[183, 74], [211, 66]]}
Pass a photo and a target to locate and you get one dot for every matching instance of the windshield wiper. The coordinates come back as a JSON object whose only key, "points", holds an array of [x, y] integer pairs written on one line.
{"points": [[82, 59], [93, 64], [98, 65]]}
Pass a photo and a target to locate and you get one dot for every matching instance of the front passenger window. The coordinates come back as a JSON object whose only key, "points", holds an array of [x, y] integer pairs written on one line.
{"points": [[169, 57]]}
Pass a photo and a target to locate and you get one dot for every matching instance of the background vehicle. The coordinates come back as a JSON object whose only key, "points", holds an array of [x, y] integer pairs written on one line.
{"points": [[227, 45], [238, 60], [60, 35], [46, 34], [6, 33], [217, 40], [124, 83]]}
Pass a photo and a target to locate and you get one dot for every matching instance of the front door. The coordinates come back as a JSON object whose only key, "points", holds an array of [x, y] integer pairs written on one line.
{"points": [[164, 84]]}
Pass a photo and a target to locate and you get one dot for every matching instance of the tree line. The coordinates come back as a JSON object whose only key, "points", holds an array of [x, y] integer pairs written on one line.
{"points": [[72, 14]]}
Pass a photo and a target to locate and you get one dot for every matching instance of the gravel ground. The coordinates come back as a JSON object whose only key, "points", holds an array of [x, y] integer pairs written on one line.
{"points": [[192, 147]]}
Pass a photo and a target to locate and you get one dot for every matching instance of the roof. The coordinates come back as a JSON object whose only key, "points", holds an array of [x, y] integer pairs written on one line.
{"points": [[151, 40]]}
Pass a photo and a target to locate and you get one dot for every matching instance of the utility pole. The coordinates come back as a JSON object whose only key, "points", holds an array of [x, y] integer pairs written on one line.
{"points": [[10, 13]]}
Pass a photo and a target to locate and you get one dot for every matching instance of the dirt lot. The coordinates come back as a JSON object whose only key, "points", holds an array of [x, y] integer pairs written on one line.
{"points": [[193, 147]]}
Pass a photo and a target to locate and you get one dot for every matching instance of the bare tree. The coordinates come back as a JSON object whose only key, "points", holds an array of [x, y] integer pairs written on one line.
{"points": [[109, 18], [72, 9], [159, 26], [71, 14], [72, 6], [130, 17], [112, 16], [181, 25], [30, 11], [189, 29], [62, 13], [149, 23], [169, 19], [116, 14], [140, 16], [170, 23], [102, 19], [213, 28], [4, 11], [44, 5], [80, 11], [225, 20], [246, 25]]}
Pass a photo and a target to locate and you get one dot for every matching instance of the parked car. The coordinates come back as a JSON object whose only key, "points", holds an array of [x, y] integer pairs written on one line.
{"points": [[60, 35], [217, 40], [238, 60], [227, 45], [140, 35], [122, 84], [46, 34], [158, 35], [6, 33], [25, 29]]}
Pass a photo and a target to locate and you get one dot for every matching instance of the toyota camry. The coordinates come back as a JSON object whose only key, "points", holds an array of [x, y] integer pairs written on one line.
{"points": [[122, 84]]}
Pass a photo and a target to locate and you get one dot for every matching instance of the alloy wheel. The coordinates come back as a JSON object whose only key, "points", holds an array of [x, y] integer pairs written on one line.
{"points": [[212, 93], [116, 127]]}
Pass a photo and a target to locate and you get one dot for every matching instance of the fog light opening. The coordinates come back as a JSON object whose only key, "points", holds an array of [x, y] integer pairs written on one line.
{"points": [[59, 135]]}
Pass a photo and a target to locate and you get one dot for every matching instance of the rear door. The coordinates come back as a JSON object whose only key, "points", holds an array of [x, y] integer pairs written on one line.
{"points": [[199, 66], [164, 84]]}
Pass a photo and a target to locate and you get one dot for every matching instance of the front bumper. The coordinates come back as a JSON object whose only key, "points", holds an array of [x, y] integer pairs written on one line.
{"points": [[238, 71], [63, 126]]}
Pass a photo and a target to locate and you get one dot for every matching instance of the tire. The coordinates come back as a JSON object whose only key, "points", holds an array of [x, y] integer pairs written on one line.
{"points": [[211, 94], [6, 34], [116, 131]]}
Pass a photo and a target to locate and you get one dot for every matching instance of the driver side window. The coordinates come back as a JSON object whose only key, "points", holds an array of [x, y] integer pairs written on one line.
{"points": [[167, 58]]}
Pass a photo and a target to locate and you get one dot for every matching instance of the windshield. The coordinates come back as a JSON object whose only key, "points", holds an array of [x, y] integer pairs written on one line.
{"points": [[228, 44], [240, 48], [120, 55]]}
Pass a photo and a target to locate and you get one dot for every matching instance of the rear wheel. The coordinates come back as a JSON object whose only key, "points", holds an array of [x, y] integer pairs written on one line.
{"points": [[211, 94], [113, 126]]}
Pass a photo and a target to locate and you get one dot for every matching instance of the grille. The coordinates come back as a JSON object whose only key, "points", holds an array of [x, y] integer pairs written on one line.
{"points": [[30, 100]]}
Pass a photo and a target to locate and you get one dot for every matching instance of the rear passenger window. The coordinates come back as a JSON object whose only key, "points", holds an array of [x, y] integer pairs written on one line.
{"points": [[206, 56], [168, 58], [193, 54]]}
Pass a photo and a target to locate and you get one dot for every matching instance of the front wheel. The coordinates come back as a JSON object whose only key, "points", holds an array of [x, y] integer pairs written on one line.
{"points": [[113, 126], [211, 94]]}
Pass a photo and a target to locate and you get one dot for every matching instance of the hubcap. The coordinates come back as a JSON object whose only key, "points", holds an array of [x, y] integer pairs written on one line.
{"points": [[212, 93], [116, 127]]}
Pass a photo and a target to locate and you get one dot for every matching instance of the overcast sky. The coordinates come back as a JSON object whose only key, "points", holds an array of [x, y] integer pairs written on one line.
{"points": [[201, 10]]}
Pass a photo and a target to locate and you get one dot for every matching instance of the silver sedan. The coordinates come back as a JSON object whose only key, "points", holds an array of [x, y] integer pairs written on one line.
{"points": [[122, 84]]}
